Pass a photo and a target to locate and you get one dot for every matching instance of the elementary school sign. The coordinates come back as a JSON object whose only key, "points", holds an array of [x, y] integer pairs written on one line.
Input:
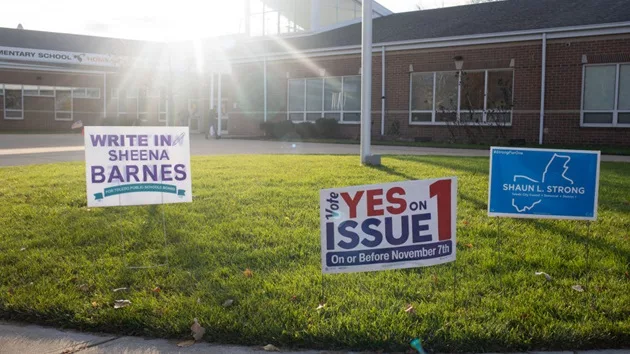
{"points": [[387, 226], [137, 165], [543, 183]]}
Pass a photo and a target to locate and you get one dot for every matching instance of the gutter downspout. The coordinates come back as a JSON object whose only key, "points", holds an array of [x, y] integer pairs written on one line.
{"points": [[382, 90], [542, 89]]}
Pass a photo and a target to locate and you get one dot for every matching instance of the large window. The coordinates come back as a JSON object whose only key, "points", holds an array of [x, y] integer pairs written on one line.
{"points": [[467, 97], [13, 102], [63, 103], [606, 96], [331, 97], [278, 17]]}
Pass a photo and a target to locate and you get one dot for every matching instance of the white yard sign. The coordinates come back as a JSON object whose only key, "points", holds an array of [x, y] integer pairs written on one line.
{"points": [[386, 226], [137, 165]]}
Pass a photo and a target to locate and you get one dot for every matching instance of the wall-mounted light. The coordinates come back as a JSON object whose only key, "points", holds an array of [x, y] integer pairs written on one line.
{"points": [[410, 68], [584, 59], [322, 72], [459, 62], [512, 63]]}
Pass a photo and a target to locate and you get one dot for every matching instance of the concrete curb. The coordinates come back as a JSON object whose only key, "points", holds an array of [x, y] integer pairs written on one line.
{"points": [[26, 338]]}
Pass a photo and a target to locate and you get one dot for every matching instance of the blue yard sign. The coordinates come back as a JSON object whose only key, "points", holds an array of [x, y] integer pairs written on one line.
{"points": [[543, 183]]}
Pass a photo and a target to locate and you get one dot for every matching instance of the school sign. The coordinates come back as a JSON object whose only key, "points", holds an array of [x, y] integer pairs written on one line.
{"points": [[543, 183], [387, 226], [137, 165]]}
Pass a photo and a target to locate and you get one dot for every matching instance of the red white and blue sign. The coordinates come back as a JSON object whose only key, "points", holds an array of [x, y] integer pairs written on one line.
{"points": [[388, 226], [543, 183]]}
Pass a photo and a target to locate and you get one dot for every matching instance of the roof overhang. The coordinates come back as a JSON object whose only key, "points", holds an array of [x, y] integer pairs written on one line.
{"points": [[467, 40]]}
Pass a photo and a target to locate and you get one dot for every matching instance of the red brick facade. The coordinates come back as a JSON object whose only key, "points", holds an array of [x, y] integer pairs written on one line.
{"points": [[562, 98], [244, 103]]}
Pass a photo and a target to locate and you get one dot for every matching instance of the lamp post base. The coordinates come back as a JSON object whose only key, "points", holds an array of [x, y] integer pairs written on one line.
{"points": [[372, 160]]}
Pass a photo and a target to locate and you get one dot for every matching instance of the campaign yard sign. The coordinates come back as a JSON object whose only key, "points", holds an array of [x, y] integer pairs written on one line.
{"points": [[387, 226], [543, 183], [137, 165]]}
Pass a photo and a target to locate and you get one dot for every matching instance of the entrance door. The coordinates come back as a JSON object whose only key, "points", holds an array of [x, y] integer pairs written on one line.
{"points": [[194, 116]]}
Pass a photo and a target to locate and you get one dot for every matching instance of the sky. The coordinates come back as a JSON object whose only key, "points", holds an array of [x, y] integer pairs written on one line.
{"points": [[150, 20]]}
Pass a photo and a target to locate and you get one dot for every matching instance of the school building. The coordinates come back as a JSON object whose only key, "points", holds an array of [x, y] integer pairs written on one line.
{"points": [[535, 71]]}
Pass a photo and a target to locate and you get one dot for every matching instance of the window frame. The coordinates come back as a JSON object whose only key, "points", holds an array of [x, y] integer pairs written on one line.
{"points": [[71, 90], [323, 110], [4, 103], [615, 110], [459, 110]]}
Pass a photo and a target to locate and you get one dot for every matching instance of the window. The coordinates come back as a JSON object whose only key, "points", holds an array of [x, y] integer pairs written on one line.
{"points": [[79, 93], [606, 95], [163, 104], [474, 97], [63, 103], [47, 91], [332, 97], [93, 93], [13, 102], [143, 104], [30, 90]]}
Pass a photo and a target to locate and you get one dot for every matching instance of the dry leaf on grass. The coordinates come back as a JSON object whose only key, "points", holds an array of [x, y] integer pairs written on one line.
{"points": [[121, 303], [197, 330], [23, 249], [547, 276], [248, 273], [469, 245], [271, 348], [186, 343], [119, 289], [410, 309], [228, 303], [156, 289], [84, 287], [94, 304], [321, 306], [578, 288]]}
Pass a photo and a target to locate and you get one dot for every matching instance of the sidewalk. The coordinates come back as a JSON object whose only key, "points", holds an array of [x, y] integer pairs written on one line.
{"points": [[21, 338]]}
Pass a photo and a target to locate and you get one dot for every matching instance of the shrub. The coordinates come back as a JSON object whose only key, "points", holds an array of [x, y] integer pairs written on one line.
{"points": [[286, 129], [306, 130], [327, 128]]}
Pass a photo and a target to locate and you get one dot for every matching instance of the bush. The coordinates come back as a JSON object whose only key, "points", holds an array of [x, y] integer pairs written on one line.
{"points": [[279, 130], [306, 130], [327, 128], [286, 129]]}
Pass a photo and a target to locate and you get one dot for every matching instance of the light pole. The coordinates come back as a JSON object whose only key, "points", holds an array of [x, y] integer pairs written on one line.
{"points": [[366, 86]]}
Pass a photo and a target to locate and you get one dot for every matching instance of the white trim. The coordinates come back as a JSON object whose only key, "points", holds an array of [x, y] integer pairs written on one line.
{"points": [[466, 40], [616, 111]]}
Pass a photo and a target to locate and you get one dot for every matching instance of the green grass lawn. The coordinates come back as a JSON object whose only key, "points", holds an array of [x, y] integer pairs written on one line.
{"points": [[60, 261]]}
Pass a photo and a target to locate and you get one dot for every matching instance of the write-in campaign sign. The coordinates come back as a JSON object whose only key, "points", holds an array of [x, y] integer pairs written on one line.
{"points": [[387, 226], [137, 165], [543, 183]]}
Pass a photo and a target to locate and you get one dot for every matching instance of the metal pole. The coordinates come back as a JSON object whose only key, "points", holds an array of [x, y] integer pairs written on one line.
{"points": [[542, 89], [382, 90], [220, 105], [265, 88], [366, 81]]}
